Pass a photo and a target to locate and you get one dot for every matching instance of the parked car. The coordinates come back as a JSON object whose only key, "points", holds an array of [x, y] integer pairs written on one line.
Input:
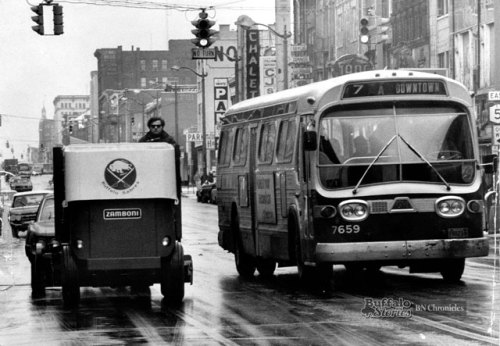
{"points": [[21, 183], [37, 169], [23, 209], [39, 247]]}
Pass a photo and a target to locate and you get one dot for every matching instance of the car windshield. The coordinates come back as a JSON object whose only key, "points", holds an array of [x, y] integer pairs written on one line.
{"points": [[398, 141], [47, 211], [27, 200]]}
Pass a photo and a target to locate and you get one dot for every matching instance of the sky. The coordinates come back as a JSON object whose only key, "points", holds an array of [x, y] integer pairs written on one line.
{"points": [[35, 69]]}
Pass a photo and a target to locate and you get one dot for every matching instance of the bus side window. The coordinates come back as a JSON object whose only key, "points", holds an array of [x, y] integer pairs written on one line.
{"points": [[267, 140], [241, 146], [225, 148], [286, 140]]}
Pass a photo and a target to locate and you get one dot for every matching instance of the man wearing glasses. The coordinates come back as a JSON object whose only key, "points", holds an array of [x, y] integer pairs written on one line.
{"points": [[156, 132]]}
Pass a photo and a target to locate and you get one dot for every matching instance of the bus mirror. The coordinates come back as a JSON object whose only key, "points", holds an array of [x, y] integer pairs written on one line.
{"points": [[490, 163], [310, 140]]}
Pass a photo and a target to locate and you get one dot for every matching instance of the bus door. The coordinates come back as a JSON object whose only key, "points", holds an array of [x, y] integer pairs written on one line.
{"points": [[264, 200], [250, 245]]}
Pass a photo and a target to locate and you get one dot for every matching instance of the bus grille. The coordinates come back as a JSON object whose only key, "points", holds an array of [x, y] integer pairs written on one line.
{"points": [[422, 205], [378, 207]]}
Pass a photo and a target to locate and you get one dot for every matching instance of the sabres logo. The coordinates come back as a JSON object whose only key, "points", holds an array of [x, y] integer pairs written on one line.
{"points": [[120, 174]]}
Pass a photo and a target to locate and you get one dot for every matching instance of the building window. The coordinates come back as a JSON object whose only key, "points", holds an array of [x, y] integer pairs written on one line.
{"points": [[442, 7], [143, 65], [443, 60], [155, 65], [164, 66]]}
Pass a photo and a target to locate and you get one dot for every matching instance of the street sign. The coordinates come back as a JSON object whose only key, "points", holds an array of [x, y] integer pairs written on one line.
{"points": [[496, 134], [203, 53], [495, 114], [494, 95]]}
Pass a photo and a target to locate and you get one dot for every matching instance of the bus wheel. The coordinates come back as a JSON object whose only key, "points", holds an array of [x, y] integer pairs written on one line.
{"points": [[266, 267], [69, 279], [172, 276], [37, 277], [452, 269], [245, 264], [306, 273]]}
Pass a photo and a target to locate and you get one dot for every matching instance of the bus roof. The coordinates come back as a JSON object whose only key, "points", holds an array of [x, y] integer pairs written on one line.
{"points": [[317, 90]]}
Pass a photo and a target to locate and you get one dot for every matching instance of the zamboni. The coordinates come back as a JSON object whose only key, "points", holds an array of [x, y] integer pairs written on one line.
{"points": [[118, 218]]}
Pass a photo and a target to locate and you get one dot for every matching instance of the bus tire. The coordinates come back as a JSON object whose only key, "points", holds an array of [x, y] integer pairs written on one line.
{"points": [[266, 267], [306, 273], [172, 276], [37, 277], [69, 279], [245, 264], [452, 269]]}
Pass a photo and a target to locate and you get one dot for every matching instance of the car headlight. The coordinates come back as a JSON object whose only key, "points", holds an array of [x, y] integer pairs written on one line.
{"points": [[450, 206], [353, 210]]}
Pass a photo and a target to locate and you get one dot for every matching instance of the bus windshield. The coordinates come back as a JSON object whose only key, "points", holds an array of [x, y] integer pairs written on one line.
{"points": [[397, 141]]}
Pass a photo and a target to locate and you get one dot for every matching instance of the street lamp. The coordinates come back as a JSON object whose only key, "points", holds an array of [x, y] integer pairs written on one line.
{"points": [[158, 96], [246, 23], [202, 75]]}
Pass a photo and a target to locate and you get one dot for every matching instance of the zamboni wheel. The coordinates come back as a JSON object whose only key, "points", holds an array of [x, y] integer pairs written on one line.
{"points": [[37, 277], [172, 276], [69, 278]]}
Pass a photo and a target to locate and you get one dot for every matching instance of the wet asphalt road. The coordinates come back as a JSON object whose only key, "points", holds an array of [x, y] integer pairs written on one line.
{"points": [[220, 308]]}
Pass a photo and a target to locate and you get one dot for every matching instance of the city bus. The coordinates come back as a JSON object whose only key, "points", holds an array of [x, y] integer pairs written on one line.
{"points": [[372, 169]]}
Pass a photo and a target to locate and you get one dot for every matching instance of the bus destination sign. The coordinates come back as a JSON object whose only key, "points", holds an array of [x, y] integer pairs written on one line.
{"points": [[391, 88]]}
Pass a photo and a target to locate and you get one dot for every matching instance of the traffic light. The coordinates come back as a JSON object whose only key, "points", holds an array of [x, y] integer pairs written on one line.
{"points": [[58, 19], [38, 19], [203, 32], [70, 128], [364, 36], [132, 120]]}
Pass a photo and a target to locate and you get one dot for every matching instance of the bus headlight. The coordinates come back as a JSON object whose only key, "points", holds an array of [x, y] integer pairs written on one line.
{"points": [[450, 206], [353, 210]]}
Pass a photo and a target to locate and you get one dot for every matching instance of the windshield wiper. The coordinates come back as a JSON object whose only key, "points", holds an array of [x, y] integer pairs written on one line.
{"points": [[415, 151], [372, 163]]}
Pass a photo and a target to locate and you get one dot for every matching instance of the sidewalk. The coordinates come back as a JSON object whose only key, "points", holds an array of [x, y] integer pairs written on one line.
{"points": [[189, 191]]}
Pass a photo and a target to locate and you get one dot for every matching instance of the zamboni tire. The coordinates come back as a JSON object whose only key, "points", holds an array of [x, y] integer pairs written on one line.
{"points": [[69, 278], [172, 276], [37, 277]]}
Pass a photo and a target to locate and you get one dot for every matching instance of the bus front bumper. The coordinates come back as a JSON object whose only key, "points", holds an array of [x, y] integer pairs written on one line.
{"points": [[402, 250]]}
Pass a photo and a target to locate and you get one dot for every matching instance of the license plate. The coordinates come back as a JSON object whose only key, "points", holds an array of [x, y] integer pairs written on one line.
{"points": [[458, 232]]}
